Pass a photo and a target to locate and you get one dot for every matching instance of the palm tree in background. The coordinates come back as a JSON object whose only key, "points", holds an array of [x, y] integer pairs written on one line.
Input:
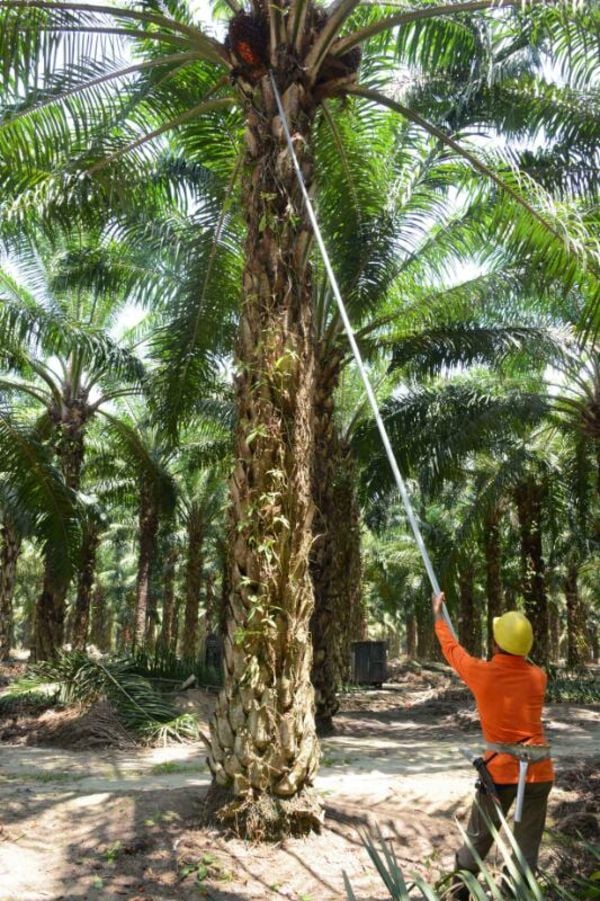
{"points": [[144, 473], [172, 76], [34, 501], [423, 329], [506, 445], [59, 352]]}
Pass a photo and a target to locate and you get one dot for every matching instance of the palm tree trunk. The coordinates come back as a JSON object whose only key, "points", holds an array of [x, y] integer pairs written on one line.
{"points": [[168, 609], [339, 615], [175, 628], [226, 558], [425, 633], [49, 631], [85, 582], [210, 620], [49, 626], [100, 620], [10, 548], [411, 635], [351, 610], [553, 630], [193, 582], [594, 644], [528, 496], [212, 605], [578, 648], [469, 620], [264, 746], [126, 640], [492, 546], [324, 624], [148, 530]]}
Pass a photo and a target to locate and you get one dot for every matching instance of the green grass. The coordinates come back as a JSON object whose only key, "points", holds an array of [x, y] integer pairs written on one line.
{"points": [[329, 760], [50, 776], [169, 767]]}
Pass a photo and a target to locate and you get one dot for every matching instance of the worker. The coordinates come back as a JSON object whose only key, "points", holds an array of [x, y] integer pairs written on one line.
{"points": [[509, 693]]}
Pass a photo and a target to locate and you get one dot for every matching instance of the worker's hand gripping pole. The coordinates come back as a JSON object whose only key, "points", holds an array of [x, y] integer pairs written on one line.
{"points": [[348, 327]]}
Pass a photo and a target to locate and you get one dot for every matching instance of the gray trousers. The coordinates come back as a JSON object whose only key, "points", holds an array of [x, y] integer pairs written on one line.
{"points": [[527, 833]]}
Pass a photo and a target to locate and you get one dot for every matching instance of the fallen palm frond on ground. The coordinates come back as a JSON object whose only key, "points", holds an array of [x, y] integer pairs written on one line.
{"points": [[74, 678]]}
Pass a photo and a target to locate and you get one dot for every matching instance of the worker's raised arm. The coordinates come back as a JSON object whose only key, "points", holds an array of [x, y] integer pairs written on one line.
{"points": [[460, 661]]}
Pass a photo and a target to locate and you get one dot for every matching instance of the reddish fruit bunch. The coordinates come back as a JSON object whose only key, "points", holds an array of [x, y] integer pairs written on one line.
{"points": [[248, 40]]}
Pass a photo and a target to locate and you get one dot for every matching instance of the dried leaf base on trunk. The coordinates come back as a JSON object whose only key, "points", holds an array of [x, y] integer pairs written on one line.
{"points": [[264, 749], [260, 817]]}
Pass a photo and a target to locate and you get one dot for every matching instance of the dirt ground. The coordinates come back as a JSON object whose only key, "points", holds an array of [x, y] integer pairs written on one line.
{"points": [[122, 823]]}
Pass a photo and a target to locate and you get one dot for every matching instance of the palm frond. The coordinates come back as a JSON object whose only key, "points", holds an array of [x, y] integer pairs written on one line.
{"points": [[432, 350], [449, 420], [74, 678]]}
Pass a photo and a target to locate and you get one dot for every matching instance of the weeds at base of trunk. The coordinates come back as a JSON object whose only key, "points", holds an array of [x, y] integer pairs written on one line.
{"points": [[259, 817]]}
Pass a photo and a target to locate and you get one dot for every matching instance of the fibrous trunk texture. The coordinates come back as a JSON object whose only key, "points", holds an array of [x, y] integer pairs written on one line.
{"points": [[578, 647], [325, 625], [49, 629], [492, 546], [148, 530], [529, 496], [193, 582], [264, 750], [85, 584], [10, 548], [469, 620]]}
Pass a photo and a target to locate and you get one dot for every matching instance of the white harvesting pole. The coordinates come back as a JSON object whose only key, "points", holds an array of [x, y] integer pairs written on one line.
{"points": [[357, 356]]}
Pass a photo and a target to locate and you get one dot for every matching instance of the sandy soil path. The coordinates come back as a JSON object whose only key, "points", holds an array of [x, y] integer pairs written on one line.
{"points": [[113, 825]]}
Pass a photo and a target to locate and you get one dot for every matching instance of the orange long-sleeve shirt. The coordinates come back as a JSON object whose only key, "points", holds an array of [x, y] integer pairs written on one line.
{"points": [[509, 693]]}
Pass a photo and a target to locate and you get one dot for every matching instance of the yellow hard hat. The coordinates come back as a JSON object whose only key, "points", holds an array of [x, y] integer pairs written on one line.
{"points": [[513, 633]]}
